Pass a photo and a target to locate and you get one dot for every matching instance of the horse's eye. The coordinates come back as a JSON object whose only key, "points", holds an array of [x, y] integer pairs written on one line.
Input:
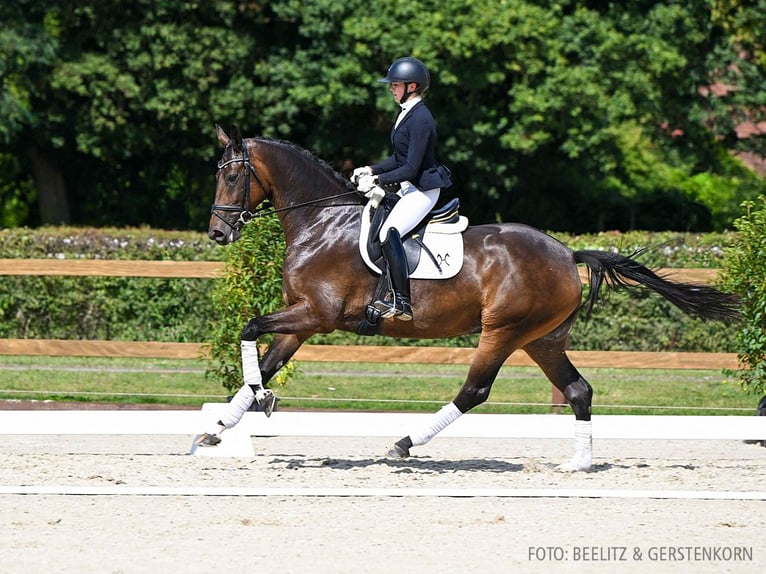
{"points": [[232, 177]]}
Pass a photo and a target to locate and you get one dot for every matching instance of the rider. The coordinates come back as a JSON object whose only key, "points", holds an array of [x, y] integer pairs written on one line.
{"points": [[414, 168]]}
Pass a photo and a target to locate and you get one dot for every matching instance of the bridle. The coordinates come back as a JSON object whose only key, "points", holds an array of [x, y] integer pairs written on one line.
{"points": [[245, 215]]}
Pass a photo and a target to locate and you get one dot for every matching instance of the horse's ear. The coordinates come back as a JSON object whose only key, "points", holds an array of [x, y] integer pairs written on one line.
{"points": [[222, 137], [236, 138]]}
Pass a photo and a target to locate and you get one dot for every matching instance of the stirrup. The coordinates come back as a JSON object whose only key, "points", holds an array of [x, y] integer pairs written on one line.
{"points": [[388, 309]]}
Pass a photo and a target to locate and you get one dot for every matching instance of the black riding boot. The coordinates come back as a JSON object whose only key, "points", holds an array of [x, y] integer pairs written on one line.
{"points": [[397, 304]]}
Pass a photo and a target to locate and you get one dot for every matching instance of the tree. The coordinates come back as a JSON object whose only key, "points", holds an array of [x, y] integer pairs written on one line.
{"points": [[125, 104], [572, 114], [744, 273], [558, 102], [734, 110], [28, 48]]}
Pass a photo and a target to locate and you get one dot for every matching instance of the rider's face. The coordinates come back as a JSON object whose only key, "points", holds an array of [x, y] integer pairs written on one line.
{"points": [[397, 90]]}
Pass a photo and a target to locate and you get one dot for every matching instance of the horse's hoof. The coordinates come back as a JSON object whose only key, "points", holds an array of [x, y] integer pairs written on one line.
{"points": [[207, 439], [267, 403], [575, 465], [397, 452]]}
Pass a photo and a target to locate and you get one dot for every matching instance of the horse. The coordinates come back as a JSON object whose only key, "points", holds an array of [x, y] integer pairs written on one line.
{"points": [[518, 288]]}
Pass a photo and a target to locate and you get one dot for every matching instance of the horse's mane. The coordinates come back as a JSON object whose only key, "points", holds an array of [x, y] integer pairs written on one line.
{"points": [[310, 156]]}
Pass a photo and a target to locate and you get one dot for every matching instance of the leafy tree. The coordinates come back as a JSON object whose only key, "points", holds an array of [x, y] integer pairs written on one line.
{"points": [[744, 272], [252, 286], [115, 116], [26, 47], [744, 22], [29, 47], [570, 114], [552, 101], [733, 100]]}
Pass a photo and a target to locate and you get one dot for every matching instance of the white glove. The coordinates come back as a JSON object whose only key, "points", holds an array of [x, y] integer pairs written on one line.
{"points": [[375, 195], [359, 172], [366, 183]]}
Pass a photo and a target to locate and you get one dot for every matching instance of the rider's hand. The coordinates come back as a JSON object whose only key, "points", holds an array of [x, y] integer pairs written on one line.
{"points": [[359, 172], [374, 190], [366, 183], [375, 195]]}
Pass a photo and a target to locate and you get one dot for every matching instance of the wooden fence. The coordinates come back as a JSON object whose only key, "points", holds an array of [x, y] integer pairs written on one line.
{"points": [[313, 353], [368, 354], [207, 269]]}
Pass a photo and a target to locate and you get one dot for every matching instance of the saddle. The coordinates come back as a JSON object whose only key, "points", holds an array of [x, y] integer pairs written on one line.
{"points": [[434, 248]]}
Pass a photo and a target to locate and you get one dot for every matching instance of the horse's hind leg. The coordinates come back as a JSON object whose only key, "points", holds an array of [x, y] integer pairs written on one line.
{"points": [[484, 368], [550, 355]]}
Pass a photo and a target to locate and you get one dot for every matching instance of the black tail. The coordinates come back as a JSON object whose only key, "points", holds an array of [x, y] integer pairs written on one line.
{"points": [[623, 272]]}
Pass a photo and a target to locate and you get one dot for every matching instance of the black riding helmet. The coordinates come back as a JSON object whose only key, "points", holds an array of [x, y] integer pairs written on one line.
{"points": [[407, 70]]}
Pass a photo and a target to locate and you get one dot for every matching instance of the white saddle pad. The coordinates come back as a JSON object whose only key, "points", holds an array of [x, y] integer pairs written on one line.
{"points": [[445, 240]]}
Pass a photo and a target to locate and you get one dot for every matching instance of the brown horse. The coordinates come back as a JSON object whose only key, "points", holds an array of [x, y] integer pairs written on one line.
{"points": [[518, 288]]}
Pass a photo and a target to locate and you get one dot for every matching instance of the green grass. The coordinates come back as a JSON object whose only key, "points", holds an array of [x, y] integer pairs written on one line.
{"points": [[180, 382], [368, 386]]}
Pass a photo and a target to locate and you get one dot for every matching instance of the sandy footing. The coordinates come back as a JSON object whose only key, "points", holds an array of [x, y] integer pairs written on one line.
{"points": [[283, 533]]}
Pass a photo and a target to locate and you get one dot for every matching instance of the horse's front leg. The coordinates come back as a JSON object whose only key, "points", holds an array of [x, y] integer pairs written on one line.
{"points": [[255, 376], [293, 326]]}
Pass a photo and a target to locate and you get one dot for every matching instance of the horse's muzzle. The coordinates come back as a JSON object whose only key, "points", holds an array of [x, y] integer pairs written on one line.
{"points": [[223, 236]]}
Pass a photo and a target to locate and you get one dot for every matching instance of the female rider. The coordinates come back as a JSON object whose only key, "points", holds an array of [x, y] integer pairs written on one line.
{"points": [[414, 167]]}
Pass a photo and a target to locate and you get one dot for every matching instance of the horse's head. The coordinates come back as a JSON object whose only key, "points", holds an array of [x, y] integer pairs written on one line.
{"points": [[239, 189]]}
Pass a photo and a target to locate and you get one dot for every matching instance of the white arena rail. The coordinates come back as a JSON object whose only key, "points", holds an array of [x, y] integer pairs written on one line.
{"points": [[237, 441]]}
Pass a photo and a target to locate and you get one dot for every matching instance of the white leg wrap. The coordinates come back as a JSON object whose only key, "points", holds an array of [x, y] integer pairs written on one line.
{"points": [[237, 407], [442, 418], [583, 456], [240, 402], [251, 370]]}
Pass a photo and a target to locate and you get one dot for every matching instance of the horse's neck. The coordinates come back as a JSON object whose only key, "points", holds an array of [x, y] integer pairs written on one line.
{"points": [[301, 183], [323, 224]]}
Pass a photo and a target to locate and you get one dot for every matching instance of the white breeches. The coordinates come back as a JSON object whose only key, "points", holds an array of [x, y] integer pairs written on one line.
{"points": [[409, 210]]}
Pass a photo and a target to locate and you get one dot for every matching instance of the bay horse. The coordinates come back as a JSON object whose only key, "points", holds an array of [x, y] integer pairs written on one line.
{"points": [[519, 288]]}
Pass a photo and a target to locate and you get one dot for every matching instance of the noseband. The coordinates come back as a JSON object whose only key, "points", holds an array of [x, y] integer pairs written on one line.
{"points": [[245, 215]]}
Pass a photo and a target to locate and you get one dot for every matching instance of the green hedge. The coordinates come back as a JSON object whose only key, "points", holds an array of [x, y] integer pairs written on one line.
{"points": [[640, 320], [744, 273], [125, 308], [114, 308]]}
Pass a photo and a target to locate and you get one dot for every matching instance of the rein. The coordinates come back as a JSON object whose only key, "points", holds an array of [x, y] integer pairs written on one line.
{"points": [[245, 214]]}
